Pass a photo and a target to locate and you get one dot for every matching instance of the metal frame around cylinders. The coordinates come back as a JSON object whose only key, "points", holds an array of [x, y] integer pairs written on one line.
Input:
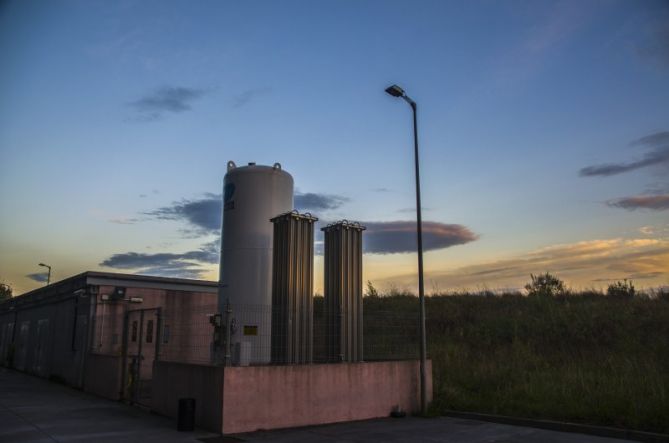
{"points": [[292, 288], [343, 291]]}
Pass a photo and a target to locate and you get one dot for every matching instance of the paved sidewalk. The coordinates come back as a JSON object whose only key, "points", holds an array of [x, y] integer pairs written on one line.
{"points": [[36, 410]]}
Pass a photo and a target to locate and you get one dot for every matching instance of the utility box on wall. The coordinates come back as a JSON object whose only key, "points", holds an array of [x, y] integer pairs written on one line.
{"points": [[343, 291], [292, 288]]}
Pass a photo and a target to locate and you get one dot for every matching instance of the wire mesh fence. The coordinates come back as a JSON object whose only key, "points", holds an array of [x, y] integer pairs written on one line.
{"points": [[261, 335], [246, 334], [108, 329]]}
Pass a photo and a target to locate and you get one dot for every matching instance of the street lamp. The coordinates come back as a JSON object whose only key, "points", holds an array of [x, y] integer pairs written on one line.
{"points": [[396, 91], [48, 275]]}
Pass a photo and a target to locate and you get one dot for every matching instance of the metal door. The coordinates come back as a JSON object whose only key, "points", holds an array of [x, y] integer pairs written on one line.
{"points": [[140, 348]]}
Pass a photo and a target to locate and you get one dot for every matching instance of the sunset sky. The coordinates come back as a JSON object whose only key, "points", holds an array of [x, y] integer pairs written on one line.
{"points": [[544, 131]]}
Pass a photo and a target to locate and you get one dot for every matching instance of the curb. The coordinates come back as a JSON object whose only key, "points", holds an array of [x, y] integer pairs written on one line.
{"points": [[601, 431]]}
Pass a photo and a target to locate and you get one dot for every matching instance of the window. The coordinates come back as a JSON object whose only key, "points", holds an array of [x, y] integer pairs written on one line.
{"points": [[149, 331], [134, 331], [166, 334]]}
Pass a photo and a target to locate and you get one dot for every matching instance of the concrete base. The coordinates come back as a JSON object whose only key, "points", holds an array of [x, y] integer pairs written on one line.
{"points": [[172, 381], [106, 378], [271, 397]]}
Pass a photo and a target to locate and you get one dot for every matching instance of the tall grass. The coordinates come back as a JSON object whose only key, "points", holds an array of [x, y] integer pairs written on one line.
{"points": [[583, 357]]}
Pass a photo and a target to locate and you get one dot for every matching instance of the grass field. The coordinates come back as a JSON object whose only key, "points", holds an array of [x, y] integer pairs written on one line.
{"points": [[584, 358]]}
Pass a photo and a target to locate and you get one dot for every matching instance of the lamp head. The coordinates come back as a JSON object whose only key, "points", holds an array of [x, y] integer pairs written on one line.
{"points": [[395, 91], [42, 264]]}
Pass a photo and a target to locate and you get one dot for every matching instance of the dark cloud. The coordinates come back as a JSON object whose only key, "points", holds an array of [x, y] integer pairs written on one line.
{"points": [[658, 144], [644, 275], [315, 202], [656, 157], [184, 271], [652, 140], [245, 97], [38, 276], [381, 190], [167, 99], [652, 202], [400, 236], [185, 265], [203, 215], [124, 221]]}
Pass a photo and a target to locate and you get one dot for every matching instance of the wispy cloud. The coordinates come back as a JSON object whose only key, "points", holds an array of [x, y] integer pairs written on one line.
{"points": [[650, 159], [202, 215], [189, 264], [412, 210], [565, 20], [38, 277], [655, 45], [247, 96], [311, 201], [647, 230], [658, 143], [580, 263], [559, 28], [124, 221], [652, 202], [172, 99], [656, 139], [400, 236]]}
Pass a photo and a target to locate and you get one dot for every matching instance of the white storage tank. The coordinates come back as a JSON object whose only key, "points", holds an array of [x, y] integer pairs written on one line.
{"points": [[252, 195]]}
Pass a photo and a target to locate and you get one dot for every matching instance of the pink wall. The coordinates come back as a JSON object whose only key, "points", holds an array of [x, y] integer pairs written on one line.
{"points": [[270, 397], [243, 399], [103, 375]]}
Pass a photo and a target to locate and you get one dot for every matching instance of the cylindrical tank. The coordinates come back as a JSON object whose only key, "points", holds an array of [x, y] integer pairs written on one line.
{"points": [[252, 195]]}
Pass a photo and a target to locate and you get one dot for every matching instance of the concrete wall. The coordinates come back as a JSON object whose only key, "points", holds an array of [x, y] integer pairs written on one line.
{"points": [[172, 381], [269, 397], [48, 340], [103, 375], [243, 399]]}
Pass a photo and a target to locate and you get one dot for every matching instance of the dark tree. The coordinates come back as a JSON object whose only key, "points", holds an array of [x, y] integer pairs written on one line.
{"points": [[622, 289], [5, 292], [546, 285]]}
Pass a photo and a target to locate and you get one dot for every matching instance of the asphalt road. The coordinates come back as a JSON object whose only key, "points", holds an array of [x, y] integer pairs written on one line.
{"points": [[36, 410]]}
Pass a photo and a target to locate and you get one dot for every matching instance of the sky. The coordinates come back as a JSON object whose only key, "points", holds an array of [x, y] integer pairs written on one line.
{"points": [[543, 128]]}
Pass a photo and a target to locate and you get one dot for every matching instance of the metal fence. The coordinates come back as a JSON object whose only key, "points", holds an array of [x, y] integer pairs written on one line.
{"points": [[199, 336]]}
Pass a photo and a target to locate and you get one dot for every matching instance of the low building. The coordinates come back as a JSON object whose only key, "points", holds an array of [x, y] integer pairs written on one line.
{"points": [[101, 332], [150, 340]]}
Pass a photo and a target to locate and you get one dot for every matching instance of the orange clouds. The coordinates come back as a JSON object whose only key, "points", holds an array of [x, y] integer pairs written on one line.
{"points": [[583, 264]]}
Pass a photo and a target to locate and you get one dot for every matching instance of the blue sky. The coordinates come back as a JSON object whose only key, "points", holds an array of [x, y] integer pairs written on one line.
{"points": [[117, 119]]}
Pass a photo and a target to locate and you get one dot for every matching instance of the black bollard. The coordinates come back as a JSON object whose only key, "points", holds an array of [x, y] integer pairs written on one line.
{"points": [[186, 415]]}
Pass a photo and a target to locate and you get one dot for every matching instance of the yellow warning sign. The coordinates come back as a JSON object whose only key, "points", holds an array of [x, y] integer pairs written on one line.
{"points": [[250, 330]]}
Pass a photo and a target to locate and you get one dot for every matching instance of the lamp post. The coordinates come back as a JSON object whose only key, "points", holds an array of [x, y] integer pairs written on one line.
{"points": [[396, 91], [48, 275]]}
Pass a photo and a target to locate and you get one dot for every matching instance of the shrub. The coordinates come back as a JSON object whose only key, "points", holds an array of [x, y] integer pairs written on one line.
{"points": [[5, 292], [371, 290], [545, 285], [621, 289]]}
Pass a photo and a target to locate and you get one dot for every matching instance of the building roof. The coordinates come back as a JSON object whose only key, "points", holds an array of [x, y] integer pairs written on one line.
{"points": [[68, 286]]}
